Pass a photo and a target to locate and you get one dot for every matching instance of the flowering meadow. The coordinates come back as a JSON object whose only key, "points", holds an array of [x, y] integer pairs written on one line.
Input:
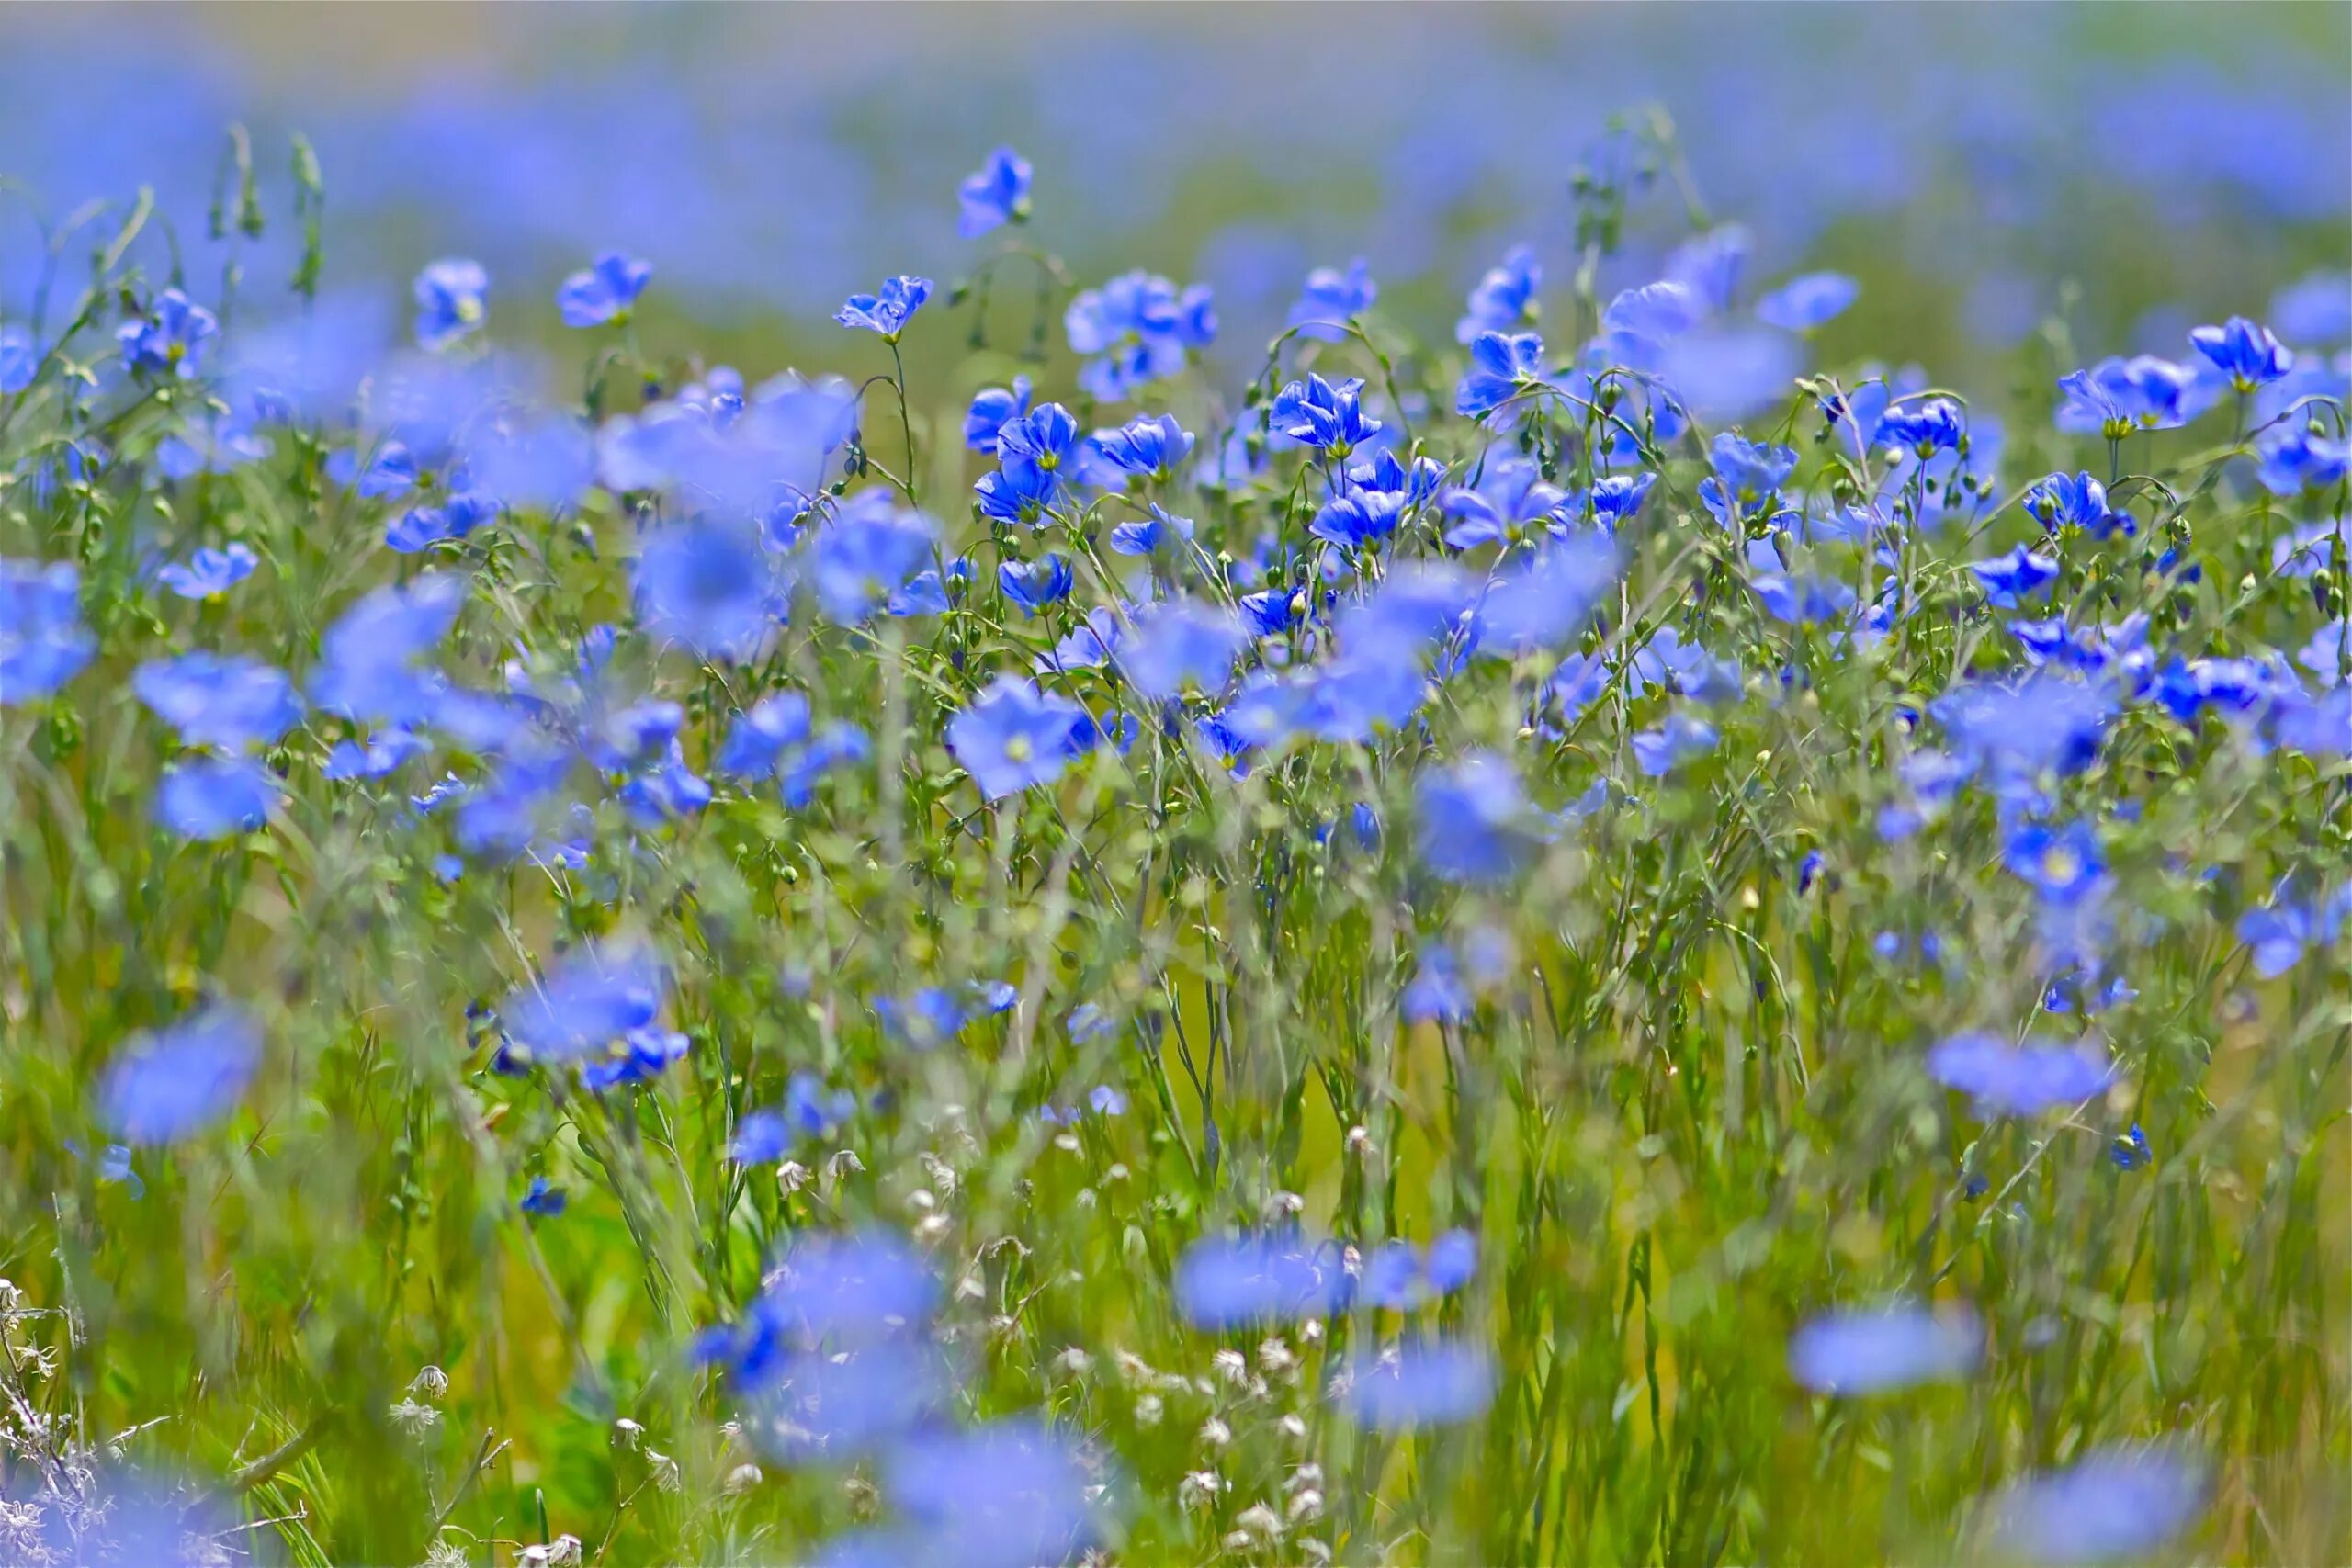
{"points": [[1572, 910]]}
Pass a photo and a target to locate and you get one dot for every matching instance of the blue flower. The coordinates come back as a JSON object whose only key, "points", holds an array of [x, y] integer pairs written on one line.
{"points": [[1861, 1352], [169, 341], [2017, 1081], [1752, 473], [20, 360], [867, 553], [2116, 397], [450, 303], [1137, 329], [1003, 1495], [542, 1201], [1548, 602], [2281, 934], [1032, 585], [2295, 460], [885, 312], [1149, 535], [209, 798], [1437, 992], [603, 293], [2130, 1150], [380, 754], [2011, 577], [705, 587], [456, 517], [2245, 351], [209, 573], [2062, 865], [1682, 739], [1473, 819], [231, 704], [1502, 368], [995, 195], [592, 997], [1330, 419], [181, 1080], [1926, 427], [1332, 301], [1709, 264], [1503, 300], [2069, 500], [43, 643], [1015, 736], [991, 408], [1179, 645], [1511, 502], [2111, 1503], [1145, 446], [372, 652], [1802, 303], [640, 1057], [1426, 1383], [1224, 1282]]}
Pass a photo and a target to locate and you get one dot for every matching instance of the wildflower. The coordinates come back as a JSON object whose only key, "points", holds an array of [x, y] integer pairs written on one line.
{"points": [[1015, 736], [1682, 739], [2111, 1503], [1926, 428], [2061, 865], [2009, 578], [1135, 329], [1502, 368], [994, 195], [2293, 459], [1473, 819], [1432, 1384], [450, 301], [1238, 1281], [1159, 531], [2129, 1151], [1652, 314], [209, 798], [1549, 601], [1511, 502], [867, 553], [1332, 301], [369, 671], [1145, 446], [1811, 300], [991, 408], [1751, 473], [2068, 501], [1329, 419], [169, 341], [602, 294], [209, 573], [232, 704], [887, 312], [1179, 645], [2278, 935], [592, 997], [181, 1080], [2017, 1081], [1503, 300], [42, 641], [1877, 1351], [2250, 356], [1032, 585], [1001, 1495]]}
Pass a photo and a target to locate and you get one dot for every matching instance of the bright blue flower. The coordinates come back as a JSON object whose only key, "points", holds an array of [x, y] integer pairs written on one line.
{"points": [[1425, 1383], [1752, 473], [1091, 646], [592, 997], [457, 516], [1360, 517], [995, 195], [2246, 351], [370, 670], [2017, 1081], [2111, 1503], [1145, 446], [1504, 299], [831, 750], [1803, 303], [2042, 721], [181, 1080], [1653, 313], [231, 704], [1617, 499], [1474, 819], [2116, 397], [705, 587], [1135, 329], [1161, 531], [1332, 300], [605, 293], [1502, 368], [2062, 865], [1666, 660], [664, 791], [542, 1199], [1329, 419], [209, 798], [169, 341], [1179, 645], [991, 408], [450, 301], [868, 552], [2295, 460], [1511, 500], [2129, 1151], [43, 643], [381, 753], [1013, 735], [1226, 1283], [2068, 501], [1682, 739], [887, 312], [2011, 577], [1046, 438], [1004, 1495], [209, 573], [1862, 1352], [1549, 601], [1032, 585], [1926, 427]]}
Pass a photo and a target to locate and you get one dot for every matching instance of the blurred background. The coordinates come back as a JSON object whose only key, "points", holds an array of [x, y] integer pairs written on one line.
{"points": [[2135, 167]]}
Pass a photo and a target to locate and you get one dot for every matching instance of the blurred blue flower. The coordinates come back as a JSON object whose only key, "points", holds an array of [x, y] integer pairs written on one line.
{"points": [[1503, 300], [1159, 532], [1424, 1383], [20, 360], [230, 704], [2010, 577], [1548, 602], [1181, 644], [887, 312], [1013, 735], [209, 573], [603, 293], [451, 301], [1225, 1282], [994, 195], [43, 643], [1008, 1494], [588, 999], [1135, 329], [372, 651], [2017, 1081], [170, 340], [1682, 739], [1879, 1350], [1472, 819], [182, 1078], [1332, 300], [541, 1200], [207, 798], [2113, 1502], [1802, 303], [868, 552], [1151, 447], [706, 587]]}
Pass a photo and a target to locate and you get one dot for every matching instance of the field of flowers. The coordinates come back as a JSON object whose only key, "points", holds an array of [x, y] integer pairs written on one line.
{"points": [[1568, 910]]}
